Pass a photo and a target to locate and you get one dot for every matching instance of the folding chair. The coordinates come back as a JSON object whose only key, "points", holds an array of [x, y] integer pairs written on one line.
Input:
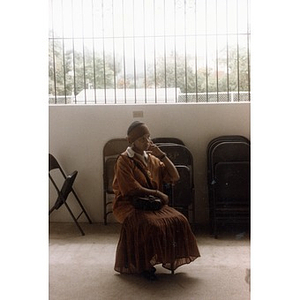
{"points": [[183, 192], [65, 190], [112, 149], [228, 181]]}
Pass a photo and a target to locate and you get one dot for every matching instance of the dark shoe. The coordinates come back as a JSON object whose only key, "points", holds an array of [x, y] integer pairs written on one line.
{"points": [[150, 274]]}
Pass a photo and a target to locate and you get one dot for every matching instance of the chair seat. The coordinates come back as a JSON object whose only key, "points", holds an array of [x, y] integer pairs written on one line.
{"points": [[65, 190]]}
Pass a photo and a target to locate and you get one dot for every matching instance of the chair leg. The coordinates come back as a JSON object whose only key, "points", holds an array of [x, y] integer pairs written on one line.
{"points": [[215, 229], [173, 257], [104, 208], [82, 232], [83, 209], [105, 217], [193, 213]]}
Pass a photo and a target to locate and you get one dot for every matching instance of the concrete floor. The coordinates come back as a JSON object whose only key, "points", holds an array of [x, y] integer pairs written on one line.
{"points": [[82, 267]]}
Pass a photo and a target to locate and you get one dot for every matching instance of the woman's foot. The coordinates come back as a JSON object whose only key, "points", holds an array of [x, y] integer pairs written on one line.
{"points": [[149, 274]]}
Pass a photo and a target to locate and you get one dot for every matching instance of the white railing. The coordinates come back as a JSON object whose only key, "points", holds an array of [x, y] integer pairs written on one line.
{"points": [[148, 96]]}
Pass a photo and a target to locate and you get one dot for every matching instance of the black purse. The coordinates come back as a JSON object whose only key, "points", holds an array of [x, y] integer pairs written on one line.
{"points": [[149, 203], [146, 202]]}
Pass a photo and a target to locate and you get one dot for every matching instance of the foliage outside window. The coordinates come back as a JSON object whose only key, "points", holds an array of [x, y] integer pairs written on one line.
{"points": [[198, 49]]}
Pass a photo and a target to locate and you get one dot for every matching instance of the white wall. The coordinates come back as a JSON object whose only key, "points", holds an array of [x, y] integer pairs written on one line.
{"points": [[77, 135]]}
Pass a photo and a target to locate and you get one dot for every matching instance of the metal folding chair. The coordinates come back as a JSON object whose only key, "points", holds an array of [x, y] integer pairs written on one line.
{"points": [[64, 191], [228, 174], [183, 192]]}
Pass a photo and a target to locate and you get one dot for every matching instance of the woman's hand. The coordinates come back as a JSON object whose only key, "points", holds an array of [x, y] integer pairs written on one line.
{"points": [[156, 193], [171, 169], [163, 197], [154, 150]]}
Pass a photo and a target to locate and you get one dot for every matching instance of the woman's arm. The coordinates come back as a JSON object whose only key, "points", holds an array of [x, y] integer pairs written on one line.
{"points": [[171, 169], [145, 191]]}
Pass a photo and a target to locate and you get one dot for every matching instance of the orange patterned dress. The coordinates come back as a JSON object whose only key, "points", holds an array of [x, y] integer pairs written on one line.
{"points": [[148, 238]]}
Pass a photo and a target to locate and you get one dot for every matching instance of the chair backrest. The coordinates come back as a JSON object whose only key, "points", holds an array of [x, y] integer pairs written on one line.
{"points": [[227, 152], [226, 149], [178, 154], [115, 147], [183, 189], [112, 149], [227, 138], [230, 151], [172, 140], [53, 163], [232, 182], [56, 177], [109, 173], [224, 139]]}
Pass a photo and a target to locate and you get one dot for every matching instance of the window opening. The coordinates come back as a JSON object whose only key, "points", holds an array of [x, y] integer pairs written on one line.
{"points": [[149, 51]]}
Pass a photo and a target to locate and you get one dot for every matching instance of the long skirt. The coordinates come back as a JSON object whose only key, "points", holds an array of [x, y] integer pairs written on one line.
{"points": [[149, 238]]}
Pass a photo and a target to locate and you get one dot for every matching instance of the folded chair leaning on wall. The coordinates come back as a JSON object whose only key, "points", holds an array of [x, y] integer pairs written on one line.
{"points": [[64, 191], [228, 175]]}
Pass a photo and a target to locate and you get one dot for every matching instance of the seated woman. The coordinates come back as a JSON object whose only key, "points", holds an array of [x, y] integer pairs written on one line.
{"points": [[148, 238]]}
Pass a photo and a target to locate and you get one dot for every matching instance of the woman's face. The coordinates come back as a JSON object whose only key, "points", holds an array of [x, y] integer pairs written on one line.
{"points": [[142, 144]]}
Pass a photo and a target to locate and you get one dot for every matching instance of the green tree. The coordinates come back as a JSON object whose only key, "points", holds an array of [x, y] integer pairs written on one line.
{"points": [[208, 80], [73, 71], [59, 79], [169, 75], [88, 71], [238, 71]]}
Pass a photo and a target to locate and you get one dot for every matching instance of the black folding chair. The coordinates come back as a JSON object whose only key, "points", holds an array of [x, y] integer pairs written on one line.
{"points": [[228, 181], [64, 191], [182, 194]]}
